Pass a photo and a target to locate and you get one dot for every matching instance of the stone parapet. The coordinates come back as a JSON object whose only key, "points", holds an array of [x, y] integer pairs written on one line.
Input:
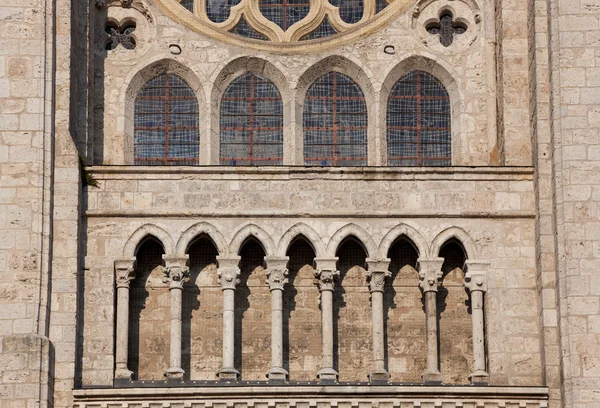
{"points": [[307, 396]]}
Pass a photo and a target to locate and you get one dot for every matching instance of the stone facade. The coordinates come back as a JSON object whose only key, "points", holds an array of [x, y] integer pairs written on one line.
{"points": [[289, 285]]}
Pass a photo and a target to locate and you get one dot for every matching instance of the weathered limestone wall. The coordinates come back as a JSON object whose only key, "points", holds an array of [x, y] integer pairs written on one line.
{"points": [[575, 108]]}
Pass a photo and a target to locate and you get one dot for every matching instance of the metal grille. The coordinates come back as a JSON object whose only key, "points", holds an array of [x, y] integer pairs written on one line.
{"points": [[446, 28], [301, 254], [188, 4], [251, 122], [284, 13], [148, 257], [118, 35], [380, 5], [245, 30], [350, 254], [218, 10], [325, 29], [418, 122], [351, 11], [335, 122], [454, 256], [401, 254], [166, 123]]}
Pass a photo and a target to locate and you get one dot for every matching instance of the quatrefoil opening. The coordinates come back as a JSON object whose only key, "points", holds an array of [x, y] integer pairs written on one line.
{"points": [[122, 34], [446, 28]]}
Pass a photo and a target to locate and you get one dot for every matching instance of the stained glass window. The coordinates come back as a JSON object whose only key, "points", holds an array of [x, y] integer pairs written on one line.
{"points": [[251, 122], [166, 130], [243, 28], [218, 10], [188, 4], [418, 122], [325, 29], [351, 11], [335, 122]]}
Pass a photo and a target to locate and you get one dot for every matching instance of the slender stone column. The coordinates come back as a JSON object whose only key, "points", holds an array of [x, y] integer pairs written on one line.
{"points": [[430, 275], [124, 274], [377, 273], [175, 273], [228, 272], [277, 273], [327, 273], [476, 283]]}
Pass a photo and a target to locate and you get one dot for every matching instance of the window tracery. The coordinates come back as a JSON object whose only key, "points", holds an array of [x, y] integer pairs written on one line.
{"points": [[418, 122], [335, 122], [166, 123], [284, 20]]}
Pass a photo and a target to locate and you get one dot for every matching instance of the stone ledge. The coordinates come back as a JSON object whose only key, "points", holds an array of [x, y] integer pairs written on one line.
{"points": [[300, 172], [321, 396]]}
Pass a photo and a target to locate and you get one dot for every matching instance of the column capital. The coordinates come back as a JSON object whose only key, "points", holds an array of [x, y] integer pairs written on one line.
{"points": [[228, 271], [176, 271], [124, 272], [476, 275], [430, 273], [377, 272], [327, 273], [277, 271]]}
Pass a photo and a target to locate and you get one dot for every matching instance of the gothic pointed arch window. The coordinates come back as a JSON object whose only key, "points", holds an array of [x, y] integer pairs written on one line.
{"points": [[335, 122], [418, 122], [251, 122], [166, 123]]}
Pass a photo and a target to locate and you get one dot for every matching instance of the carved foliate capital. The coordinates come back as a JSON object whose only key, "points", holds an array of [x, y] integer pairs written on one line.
{"points": [[326, 273], [176, 271], [430, 273], [378, 271], [277, 272], [124, 272], [476, 275], [228, 272]]}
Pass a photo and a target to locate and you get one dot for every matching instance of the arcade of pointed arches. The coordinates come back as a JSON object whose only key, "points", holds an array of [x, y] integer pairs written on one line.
{"points": [[387, 301]]}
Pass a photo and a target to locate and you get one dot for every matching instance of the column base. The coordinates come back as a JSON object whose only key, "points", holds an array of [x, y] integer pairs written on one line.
{"points": [[379, 376], [327, 375], [277, 374], [479, 378], [432, 377], [175, 373], [228, 374], [123, 374]]}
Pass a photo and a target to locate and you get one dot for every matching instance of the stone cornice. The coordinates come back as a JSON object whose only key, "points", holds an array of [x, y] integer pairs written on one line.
{"points": [[312, 395]]}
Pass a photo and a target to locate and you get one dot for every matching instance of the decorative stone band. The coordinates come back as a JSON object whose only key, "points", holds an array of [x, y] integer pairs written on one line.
{"points": [[228, 271], [124, 272], [312, 396], [430, 273], [377, 272], [326, 273], [277, 272], [176, 272]]}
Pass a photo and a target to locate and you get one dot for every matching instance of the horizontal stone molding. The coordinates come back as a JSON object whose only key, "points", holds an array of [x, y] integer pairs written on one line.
{"points": [[305, 396], [291, 214], [363, 173]]}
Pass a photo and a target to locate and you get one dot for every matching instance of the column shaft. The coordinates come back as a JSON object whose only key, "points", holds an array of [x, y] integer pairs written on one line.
{"points": [[327, 328], [378, 335], [175, 369], [432, 336], [478, 332], [228, 328], [122, 346]]}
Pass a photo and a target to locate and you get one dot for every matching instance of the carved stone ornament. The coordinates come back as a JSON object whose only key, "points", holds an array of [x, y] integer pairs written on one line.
{"points": [[476, 275], [124, 273], [377, 273], [277, 278], [228, 277], [430, 274], [327, 278], [176, 275], [135, 4]]}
